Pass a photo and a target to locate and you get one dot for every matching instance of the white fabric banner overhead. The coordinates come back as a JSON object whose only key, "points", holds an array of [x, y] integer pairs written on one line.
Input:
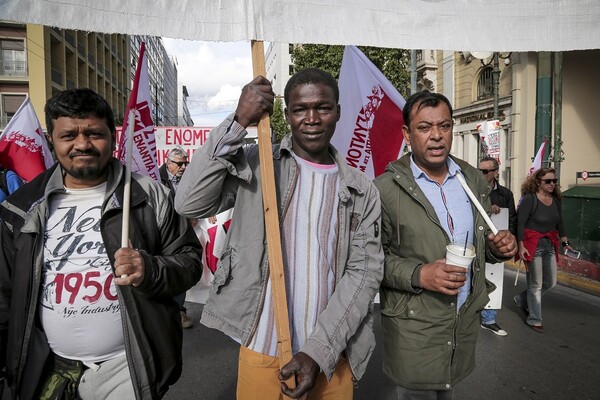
{"points": [[474, 25]]}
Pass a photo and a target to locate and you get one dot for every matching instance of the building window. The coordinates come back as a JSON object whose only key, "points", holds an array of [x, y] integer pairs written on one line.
{"points": [[485, 86], [13, 61], [9, 105], [291, 69]]}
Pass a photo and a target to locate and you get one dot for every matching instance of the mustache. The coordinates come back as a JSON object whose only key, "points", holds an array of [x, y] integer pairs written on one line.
{"points": [[84, 153]]}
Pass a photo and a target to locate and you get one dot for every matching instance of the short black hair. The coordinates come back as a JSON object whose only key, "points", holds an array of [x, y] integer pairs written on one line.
{"points": [[78, 103], [422, 99], [308, 76], [492, 159]]}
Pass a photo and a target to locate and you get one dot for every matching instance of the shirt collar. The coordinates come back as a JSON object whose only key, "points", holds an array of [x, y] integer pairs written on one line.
{"points": [[417, 172], [172, 178]]}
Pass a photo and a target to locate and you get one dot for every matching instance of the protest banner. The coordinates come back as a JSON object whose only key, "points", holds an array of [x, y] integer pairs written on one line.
{"points": [[489, 132]]}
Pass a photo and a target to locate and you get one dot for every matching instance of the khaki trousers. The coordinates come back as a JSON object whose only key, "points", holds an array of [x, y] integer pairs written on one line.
{"points": [[258, 379]]}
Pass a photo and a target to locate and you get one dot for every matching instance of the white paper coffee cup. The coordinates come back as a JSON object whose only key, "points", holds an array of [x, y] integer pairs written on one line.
{"points": [[457, 254]]}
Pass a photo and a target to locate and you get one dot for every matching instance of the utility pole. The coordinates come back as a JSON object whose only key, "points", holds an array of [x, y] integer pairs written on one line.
{"points": [[558, 81], [496, 82], [413, 71]]}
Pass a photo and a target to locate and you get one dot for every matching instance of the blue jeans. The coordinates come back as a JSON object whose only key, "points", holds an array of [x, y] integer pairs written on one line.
{"points": [[488, 317], [541, 277]]}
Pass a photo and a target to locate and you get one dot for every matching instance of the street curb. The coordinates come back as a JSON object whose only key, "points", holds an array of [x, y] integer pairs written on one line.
{"points": [[567, 279]]}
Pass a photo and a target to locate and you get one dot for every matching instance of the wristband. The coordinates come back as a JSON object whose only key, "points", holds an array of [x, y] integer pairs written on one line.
{"points": [[565, 244]]}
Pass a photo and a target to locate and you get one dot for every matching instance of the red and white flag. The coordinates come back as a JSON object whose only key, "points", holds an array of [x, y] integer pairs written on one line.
{"points": [[143, 157], [538, 160], [369, 133], [23, 147]]}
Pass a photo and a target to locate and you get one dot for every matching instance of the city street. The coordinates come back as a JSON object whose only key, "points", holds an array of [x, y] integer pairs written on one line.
{"points": [[563, 363]]}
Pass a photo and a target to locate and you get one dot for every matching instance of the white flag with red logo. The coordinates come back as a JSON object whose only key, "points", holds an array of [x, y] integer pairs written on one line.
{"points": [[23, 147], [539, 159], [143, 157], [369, 133], [212, 234]]}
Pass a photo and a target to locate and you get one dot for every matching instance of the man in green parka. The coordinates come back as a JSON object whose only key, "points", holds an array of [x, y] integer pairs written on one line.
{"points": [[430, 309]]}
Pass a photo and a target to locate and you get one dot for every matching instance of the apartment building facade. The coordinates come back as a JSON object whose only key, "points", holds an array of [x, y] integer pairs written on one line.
{"points": [[537, 97], [39, 61], [279, 66]]}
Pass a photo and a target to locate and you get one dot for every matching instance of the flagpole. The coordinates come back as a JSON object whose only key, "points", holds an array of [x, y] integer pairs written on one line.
{"points": [[476, 203], [282, 324], [127, 189]]}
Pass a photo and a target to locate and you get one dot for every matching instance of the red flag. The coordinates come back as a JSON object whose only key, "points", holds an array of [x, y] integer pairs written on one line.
{"points": [[143, 157], [369, 133], [538, 160], [23, 147]]}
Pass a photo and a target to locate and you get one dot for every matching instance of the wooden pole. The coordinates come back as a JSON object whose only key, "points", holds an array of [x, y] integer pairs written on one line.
{"points": [[282, 322]]}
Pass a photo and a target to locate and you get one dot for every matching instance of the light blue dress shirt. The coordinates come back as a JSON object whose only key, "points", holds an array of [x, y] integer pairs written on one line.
{"points": [[455, 213]]}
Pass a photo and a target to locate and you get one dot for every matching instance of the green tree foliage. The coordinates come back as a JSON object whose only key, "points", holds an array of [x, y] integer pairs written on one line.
{"points": [[278, 123], [394, 63]]}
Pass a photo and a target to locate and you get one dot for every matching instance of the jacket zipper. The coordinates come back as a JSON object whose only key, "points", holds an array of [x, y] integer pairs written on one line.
{"points": [[31, 313]]}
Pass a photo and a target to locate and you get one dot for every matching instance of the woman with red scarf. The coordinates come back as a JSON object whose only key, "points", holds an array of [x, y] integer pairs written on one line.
{"points": [[539, 228]]}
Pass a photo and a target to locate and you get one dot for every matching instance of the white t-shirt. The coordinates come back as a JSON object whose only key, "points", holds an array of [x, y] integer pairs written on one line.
{"points": [[79, 306]]}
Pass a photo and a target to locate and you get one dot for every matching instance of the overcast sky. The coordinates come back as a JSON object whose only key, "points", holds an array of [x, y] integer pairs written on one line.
{"points": [[214, 74]]}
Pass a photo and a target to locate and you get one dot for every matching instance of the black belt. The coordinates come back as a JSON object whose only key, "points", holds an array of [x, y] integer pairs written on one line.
{"points": [[72, 364]]}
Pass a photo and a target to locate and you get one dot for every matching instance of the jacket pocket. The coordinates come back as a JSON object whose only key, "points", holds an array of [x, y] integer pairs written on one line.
{"points": [[223, 272], [395, 304]]}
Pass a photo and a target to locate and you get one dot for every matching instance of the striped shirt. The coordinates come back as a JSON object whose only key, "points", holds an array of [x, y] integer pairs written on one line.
{"points": [[309, 240], [453, 209]]}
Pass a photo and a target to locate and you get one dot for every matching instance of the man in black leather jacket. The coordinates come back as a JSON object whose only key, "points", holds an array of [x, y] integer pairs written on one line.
{"points": [[500, 197], [80, 315]]}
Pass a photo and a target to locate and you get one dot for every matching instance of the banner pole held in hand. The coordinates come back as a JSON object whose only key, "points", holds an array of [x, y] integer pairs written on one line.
{"points": [[127, 187], [282, 322]]}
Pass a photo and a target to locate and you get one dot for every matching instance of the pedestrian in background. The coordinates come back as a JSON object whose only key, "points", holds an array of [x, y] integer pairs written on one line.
{"points": [[80, 316], [170, 175], [500, 197], [430, 309], [540, 227], [333, 263]]}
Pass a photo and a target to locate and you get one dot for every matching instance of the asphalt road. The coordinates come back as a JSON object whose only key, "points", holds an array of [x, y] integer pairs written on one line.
{"points": [[561, 364]]}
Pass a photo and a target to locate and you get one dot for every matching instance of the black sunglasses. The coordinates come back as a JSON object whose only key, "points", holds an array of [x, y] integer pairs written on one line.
{"points": [[486, 171], [549, 181], [180, 163]]}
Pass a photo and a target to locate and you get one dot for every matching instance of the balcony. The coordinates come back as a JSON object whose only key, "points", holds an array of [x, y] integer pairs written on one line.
{"points": [[81, 50], [56, 76], [70, 38], [13, 68]]}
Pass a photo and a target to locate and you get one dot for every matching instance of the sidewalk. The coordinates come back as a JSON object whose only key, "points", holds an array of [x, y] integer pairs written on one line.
{"points": [[579, 274]]}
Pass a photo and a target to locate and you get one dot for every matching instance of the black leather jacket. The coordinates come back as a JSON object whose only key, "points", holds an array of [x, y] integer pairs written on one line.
{"points": [[503, 198], [151, 321]]}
